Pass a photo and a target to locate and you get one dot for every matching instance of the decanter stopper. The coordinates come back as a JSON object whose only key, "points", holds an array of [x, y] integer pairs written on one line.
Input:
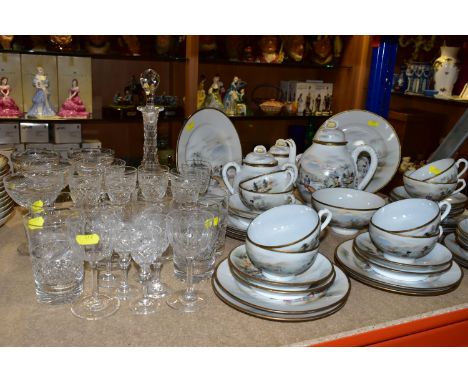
{"points": [[149, 81]]}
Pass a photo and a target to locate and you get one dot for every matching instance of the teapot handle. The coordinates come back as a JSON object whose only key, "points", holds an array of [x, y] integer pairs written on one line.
{"points": [[292, 176], [373, 164], [293, 168], [292, 150], [226, 167]]}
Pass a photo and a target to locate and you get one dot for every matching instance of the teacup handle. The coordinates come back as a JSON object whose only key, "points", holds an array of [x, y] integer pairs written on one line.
{"points": [[373, 164], [292, 177], [292, 199], [463, 185], [226, 167], [293, 169], [465, 167], [441, 231], [448, 207], [327, 219]]}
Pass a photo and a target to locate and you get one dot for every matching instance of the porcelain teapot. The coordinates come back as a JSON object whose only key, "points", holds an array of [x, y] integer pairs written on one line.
{"points": [[284, 151], [258, 162], [327, 163]]}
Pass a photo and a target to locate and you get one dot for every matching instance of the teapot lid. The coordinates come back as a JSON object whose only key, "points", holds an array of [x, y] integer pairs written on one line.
{"points": [[329, 134], [260, 156], [280, 148]]}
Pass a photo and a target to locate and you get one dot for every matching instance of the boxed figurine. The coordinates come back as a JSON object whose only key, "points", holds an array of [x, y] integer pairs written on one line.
{"points": [[314, 98], [9, 133], [91, 144], [64, 148], [34, 132], [10, 86], [66, 133], [40, 95], [75, 91]]}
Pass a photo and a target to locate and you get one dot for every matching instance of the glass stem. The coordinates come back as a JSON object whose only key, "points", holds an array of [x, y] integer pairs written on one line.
{"points": [[157, 272], [108, 272], [94, 284], [145, 282], [189, 290], [124, 265]]}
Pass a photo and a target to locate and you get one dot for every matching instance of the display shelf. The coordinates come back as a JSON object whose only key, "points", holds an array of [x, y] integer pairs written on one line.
{"points": [[297, 65], [258, 115], [89, 120], [431, 99], [111, 56]]}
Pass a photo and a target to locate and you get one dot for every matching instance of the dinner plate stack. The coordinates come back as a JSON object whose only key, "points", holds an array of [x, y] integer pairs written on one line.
{"points": [[457, 242], [457, 212], [239, 218], [433, 274], [316, 293], [6, 204]]}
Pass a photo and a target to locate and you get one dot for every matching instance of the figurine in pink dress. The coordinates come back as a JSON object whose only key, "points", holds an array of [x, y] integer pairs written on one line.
{"points": [[73, 106], [8, 107]]}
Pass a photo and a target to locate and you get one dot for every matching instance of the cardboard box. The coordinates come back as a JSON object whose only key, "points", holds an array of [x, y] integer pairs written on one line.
{"points": [[9, 133], [40, 146], [314, 98], [91, 144], [10, 67], [66, 133], [32, 132], [71, 68]]}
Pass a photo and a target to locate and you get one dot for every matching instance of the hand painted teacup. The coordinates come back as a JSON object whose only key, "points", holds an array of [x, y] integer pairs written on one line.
{"points": [[273, 182], [288, 228], [431, 190], [413, 217], [351, 209], [261, 201], [441, 171]]}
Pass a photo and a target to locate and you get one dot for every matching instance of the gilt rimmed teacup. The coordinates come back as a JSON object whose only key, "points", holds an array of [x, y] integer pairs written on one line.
{"points": [[431, 190], [441, 171]]}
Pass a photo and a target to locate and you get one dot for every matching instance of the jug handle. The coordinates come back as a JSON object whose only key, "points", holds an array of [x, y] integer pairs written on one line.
{"points": [[293, 168], [373, 164], [292, 150], [458, 162], [226, 167]]}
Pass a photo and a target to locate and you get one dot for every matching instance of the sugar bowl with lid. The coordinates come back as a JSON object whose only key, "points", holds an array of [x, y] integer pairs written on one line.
{"points": [[284, 151], [327, 163], [258, 162]]}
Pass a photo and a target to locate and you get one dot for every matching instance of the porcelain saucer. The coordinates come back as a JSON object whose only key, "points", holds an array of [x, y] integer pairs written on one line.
{"points": [[238, 223], [240, 209], [439, 257], [336, 294], [278, 293], [315, 275], [362, 271], [460, 254], [259, 313], [399, 193]]}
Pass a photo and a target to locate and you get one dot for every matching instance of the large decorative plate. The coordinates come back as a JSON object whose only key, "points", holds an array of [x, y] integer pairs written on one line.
{"points": [[209, 135], [432, 285], [336, 294], [362, 127]]}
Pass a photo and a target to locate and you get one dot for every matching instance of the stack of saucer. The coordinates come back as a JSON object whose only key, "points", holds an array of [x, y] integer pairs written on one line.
{"points": [[6, 204], [302, 285], [401, 254], [239, 218], [457, 242]]}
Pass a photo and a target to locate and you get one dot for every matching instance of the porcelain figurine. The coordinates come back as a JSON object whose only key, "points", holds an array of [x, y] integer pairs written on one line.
{"points": [[231, 97], [294, 47], [284, 151], [328, 164], [214, 97], [8, 107], [201, 94], [258, 162], [73, 106], [270, 52], [6, 41], [41, 106]]}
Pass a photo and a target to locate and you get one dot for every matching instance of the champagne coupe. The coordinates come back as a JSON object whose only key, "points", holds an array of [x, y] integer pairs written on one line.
{"points": [[190, 232]]}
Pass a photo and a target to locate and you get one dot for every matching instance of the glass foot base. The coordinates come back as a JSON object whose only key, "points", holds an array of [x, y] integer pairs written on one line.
{"points": [[179, 301], [95, 308], [160, 290], [108, 281], [144, 306], [23, 249]]}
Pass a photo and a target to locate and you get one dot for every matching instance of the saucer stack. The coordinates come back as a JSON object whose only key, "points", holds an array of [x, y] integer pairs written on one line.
{"points": [[6, 204], [239, 218], [319, 292], [432, 274], [457, 242]]}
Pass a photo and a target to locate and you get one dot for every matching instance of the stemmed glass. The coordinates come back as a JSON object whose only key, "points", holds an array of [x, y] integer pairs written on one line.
{"points": [[190, 232], [85, 189], [93, 232], [185, 189], [153, 240], [200, 170], [34, 159], [153, 181]]}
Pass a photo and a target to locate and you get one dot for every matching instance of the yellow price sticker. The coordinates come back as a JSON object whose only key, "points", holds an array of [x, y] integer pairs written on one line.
{"points": [[37, 206], [372, 123], [212, 222], [36, 223], [434, 170], [190, 126], [90, 239]]}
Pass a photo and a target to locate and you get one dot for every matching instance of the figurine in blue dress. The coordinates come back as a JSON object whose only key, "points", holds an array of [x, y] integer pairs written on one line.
{"points": [[41, 106]]}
